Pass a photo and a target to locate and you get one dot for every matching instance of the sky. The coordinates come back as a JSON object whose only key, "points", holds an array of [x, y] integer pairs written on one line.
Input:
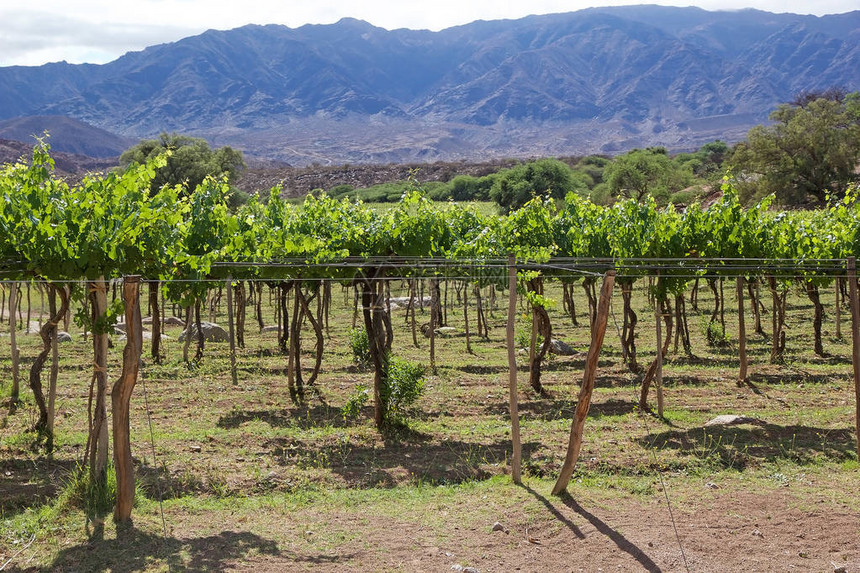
{"points": [[35, 32]]}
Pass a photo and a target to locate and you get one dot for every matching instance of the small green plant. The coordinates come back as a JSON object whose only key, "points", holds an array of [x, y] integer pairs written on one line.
{"points": [[404, 384], [96, 499], [714, 333], [360, 347], [523, 336], [356, 401]]}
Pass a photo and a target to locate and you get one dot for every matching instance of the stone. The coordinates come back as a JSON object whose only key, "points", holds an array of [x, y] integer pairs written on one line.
{"points": [[840, 569], [63, 336], [731, 420], [196, 449], [174, 321], [270, 328], [561, 348], [211, 333]]}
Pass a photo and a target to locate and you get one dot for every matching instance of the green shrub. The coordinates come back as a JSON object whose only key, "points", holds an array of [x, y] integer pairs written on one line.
{"points": [[403, 385], [360, 345], [356, 401]]}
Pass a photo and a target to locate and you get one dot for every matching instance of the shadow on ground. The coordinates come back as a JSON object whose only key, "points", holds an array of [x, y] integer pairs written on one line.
{"points": [[735, 446], [136, 550], [602, 527]]}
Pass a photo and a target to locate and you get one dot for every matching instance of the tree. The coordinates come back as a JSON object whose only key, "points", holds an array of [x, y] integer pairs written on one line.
{"points": [[190, 162], [811, 150], [639, 173], [516, 186]]}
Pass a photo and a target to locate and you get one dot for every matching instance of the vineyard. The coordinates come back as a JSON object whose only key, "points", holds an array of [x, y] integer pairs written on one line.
{"points": [[402, 351]]}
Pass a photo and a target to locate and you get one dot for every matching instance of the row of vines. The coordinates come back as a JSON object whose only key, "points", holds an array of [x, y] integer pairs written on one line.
{"points": [[187, 241]]}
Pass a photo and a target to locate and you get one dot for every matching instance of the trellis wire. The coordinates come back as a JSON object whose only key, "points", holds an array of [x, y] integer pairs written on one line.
{"points": [[563, 268]]}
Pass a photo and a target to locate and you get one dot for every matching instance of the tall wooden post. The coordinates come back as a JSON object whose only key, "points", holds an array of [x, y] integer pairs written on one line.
{"points": [[598, 331], [433, 325], [658, 313], [516, 458], [742, 334], [121, 399], [13, 323], [838, 309], [466, 316], [232, 332], [52, 386], [855, 342]]}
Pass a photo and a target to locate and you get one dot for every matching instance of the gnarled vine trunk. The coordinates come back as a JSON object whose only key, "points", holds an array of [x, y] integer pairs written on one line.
{"points": [[665, 310], [48, 333], [814, 295], [371, 305], [568, 303], [241, 303], [713, 335], [97, 440], [588, 285], [682, 331], [316, 324], [542, 327], [13, 323], [777, 321], [155, 312], [628, 331]]}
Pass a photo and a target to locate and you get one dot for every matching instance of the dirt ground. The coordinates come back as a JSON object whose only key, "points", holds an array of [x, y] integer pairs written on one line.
{"points": [[794, 527], [253, 482]]}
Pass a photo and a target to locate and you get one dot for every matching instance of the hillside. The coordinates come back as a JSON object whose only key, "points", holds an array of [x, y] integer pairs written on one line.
{"points": [[596, 80], [69, 165], [67, 135]]}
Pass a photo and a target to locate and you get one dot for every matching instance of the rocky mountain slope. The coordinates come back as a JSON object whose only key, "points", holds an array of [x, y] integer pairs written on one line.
{"points": [[594, 80]]}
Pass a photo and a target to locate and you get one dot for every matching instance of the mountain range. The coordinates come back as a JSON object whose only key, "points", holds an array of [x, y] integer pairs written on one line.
{"points": [[596, 80]]}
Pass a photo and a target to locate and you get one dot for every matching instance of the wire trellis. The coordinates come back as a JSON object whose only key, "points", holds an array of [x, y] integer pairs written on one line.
{"points": [[476, 269]]}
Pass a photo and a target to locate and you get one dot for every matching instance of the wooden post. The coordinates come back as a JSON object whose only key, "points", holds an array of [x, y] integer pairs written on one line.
{"points": [[232, 332], [466, 316], [516, 458], [742, 335], [658, 313], [584, 402], [855, 342], [52, 385], [155, 311], [13, 323], [433, 325], [189, 321], [838, 283], [121, 400]]}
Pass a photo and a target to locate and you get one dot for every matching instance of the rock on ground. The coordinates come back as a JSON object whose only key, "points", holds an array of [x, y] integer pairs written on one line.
{"points": [[561, 348], [211, 332], [731, 420]]}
